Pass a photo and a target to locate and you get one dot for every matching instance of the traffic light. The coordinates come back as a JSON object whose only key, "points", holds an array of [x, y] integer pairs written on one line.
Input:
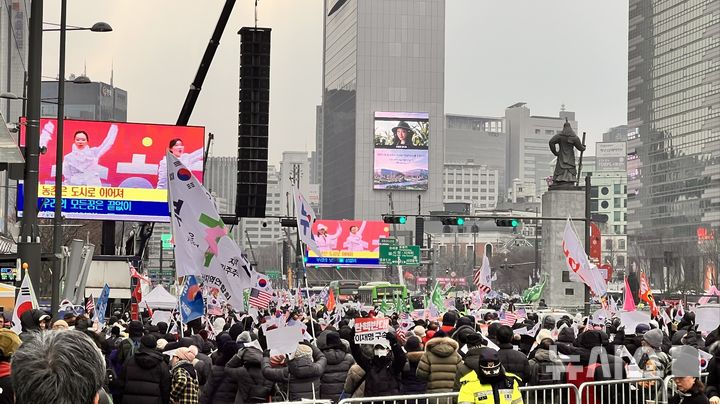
{"points": [[453, 221], [507, 222], [395, 219]]}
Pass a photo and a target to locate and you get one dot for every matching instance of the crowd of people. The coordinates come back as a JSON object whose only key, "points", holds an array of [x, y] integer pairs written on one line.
{"points": [[484, 360]]}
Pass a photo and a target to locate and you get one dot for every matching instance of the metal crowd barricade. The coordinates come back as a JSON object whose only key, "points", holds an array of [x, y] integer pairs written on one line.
{"points": [[640, 391], [671, 387], [550, 394], [304, 402], [435, 398]]}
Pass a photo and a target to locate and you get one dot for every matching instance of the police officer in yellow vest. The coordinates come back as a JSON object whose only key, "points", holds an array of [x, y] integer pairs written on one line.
{"points": [[488, 383]]}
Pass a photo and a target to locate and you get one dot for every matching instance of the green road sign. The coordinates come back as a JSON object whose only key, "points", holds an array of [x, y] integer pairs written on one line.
{"points": [[166, 239], [273, 274], [399, 255]]}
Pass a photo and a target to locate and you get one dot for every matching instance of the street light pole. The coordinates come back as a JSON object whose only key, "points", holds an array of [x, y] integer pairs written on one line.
{"points": [[29, 249], [57, 216]]}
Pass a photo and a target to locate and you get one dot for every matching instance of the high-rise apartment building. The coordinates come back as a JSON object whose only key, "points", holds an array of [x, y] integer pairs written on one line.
{"points": [[528, 153], [674, 144], [477, 139], [379, 56]]}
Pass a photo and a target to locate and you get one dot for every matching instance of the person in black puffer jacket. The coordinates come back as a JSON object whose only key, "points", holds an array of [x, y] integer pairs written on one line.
{"points": [[411, 383], [383, 371], [220, 388], [246, 368], [338, 364], [145, 377], [513, 361], [566, 342], [300, 378]]}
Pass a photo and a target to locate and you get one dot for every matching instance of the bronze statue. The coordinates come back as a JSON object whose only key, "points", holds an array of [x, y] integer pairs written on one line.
{"points": [[565, 169]]}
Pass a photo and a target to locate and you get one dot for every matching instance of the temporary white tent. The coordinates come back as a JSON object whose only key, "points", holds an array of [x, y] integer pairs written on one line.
{"points": [[159, 298]]}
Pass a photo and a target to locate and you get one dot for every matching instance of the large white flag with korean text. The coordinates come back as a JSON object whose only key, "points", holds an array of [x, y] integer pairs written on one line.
{"points": [[305, 218], [202, 247], [578, 263]]}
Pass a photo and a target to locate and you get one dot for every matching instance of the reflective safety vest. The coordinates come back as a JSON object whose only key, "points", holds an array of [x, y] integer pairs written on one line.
{"points": [[472, 391]]}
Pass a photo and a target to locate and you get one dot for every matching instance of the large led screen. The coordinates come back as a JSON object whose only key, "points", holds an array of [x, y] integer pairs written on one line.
{"points": [[113, 170], [401, 151], [347, 242]]}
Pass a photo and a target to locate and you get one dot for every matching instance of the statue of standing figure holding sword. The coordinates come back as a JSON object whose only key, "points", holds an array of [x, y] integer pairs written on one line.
{"points": [[565, 174]]}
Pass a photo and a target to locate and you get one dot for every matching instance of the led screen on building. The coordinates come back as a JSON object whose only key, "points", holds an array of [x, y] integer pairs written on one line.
{"points": [[401, 151], [113, 170], [347, 242]]}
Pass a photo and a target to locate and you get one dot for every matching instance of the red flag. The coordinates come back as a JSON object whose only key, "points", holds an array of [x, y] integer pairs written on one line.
{"points": [[137, 293], [150, 312], [331, 301], [646, 294], [628, 301]]}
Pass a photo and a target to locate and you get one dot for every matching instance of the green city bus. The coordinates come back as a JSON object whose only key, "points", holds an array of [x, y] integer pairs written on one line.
{"points": [[373, 293]]}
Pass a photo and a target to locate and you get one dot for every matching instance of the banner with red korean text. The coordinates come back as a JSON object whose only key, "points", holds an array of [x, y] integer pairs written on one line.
{"points": [[371, 331]]}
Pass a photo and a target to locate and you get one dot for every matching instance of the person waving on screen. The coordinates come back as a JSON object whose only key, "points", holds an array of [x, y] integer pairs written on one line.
{"points": [[190, 160], [81, 166]]}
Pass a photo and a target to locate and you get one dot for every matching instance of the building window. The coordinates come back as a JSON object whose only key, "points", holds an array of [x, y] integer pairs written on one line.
{"points": [[618, 229], [566, 276], [621, 244], [604, 190], [617, 188], [620, 260], [617, 203], [593, 205], [537, 131], [608, 244], [616, 216], [604, 204], [569, 291]]}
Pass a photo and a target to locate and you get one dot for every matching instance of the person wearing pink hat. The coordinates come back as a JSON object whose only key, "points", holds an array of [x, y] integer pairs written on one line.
{"points": [[185, 388]]}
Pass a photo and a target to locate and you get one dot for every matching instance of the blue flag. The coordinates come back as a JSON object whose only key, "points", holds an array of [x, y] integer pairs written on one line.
{"points": [[101, 305], [192, 305]]}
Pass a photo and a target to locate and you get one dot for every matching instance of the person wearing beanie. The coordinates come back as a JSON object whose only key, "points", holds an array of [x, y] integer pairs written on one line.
{"points": [[686, 375], [145, 377], [513, 361], [301, 376], [448, 322], [185, 388], [130, 345], [9, 343], [419, 332], [339, 361], [411, 383], [653, 361], [235, 330], [439, 364], [245, 368]]}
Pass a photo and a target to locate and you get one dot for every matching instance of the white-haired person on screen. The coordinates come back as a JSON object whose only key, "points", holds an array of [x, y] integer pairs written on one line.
{"points": [[193, 161], [81, 166]]}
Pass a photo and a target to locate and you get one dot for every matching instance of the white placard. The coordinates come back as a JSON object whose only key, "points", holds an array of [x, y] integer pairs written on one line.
{"points": [[160, 316], [284, 340], [707, 317], [630, 319]]}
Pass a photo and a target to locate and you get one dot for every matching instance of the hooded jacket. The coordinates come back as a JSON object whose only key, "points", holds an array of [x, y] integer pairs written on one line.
{"points": [[545, 368], [246, 369], [382, 373], [220, 388], [514, 361], [338, 364], [145, 378], [439, 364], [300, 378]]}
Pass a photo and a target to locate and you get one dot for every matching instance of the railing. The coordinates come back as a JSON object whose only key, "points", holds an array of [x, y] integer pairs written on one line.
{"points": [[671, 387], [551, 394], [435, 398], [641, 391]]}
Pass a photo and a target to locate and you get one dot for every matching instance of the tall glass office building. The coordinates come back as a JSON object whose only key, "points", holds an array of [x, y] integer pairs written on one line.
{"points": [[379, 56], [674, 141]]}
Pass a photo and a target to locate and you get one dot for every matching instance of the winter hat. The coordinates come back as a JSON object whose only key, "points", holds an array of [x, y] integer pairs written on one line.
{"points": [[413, 344], [60, 325], [243, 338], [187, 354], [591, 339], [641, 329], [505, 335], [303, 351], [464, 320], [654, 338], [149, 341], [161, 343], [9, 342], [135, 329], [332, 340], [474, 340], [235, 330], [544, 333], [419, 331], [162, 327]]}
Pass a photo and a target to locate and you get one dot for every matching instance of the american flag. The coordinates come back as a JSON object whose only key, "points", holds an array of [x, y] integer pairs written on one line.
{"points": [[478, 281], [521, 313], [259, 298], [507, 318], [89, 305]]}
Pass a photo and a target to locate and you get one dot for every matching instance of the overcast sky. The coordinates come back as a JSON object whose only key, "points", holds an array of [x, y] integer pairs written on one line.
{"points": [[497, 53]]}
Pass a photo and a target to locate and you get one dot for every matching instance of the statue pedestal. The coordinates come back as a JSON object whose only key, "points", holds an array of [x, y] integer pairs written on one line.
{"points": [[560, 203]]}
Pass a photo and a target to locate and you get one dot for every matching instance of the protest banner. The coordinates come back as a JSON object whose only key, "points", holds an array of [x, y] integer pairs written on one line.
{"points": [[630, 319], [371, 330], [707, 317]]}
